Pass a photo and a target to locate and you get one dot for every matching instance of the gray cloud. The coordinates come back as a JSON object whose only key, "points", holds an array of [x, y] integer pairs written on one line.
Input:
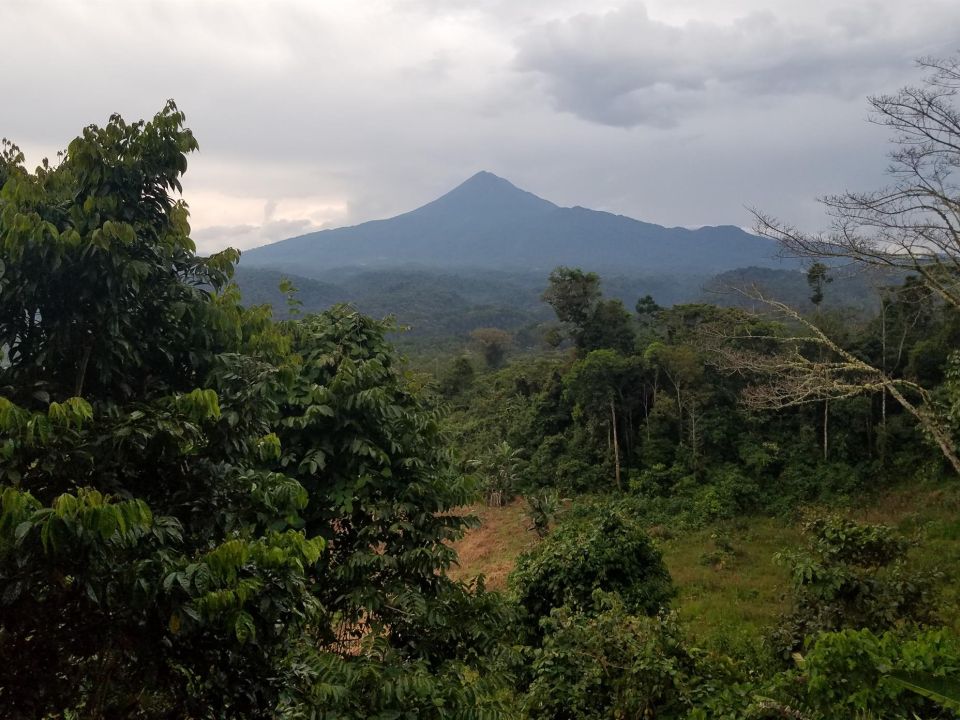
{"points": [[625, 68], [312, 115]]}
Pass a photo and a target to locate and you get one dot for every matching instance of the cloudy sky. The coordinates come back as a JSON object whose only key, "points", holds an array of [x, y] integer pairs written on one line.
{"points": [[321, 113]]}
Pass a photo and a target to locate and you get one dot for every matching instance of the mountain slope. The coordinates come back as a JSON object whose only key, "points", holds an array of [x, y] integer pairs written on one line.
{"points": [[488, 223]]}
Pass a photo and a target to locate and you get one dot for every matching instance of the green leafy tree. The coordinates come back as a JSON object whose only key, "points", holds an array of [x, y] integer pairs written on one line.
{"points": [[573, 294], [685, 371], [603, 387], [499, 469], [99, 272], [817, 278], [904, 228], [592, 322], [610, 326], [542, 507], [204, 512], [458, 377], [493, 344], [647, 308], [148, 560]]}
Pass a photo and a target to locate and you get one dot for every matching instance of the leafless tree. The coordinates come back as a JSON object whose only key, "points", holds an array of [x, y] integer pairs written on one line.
{"points": [[793, 373], [912, 225]]}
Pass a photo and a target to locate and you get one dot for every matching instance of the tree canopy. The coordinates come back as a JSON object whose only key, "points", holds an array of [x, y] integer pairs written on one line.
{"points": [[205, 512]]}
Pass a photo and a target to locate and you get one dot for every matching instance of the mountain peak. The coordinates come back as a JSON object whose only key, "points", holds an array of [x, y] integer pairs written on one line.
{"points": [[485, 177], [484, 193], [488, 222], [485, 181]]}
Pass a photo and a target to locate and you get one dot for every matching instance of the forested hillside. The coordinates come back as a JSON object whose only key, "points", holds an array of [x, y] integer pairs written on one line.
{"points": [[212, 507], [439, 305], [477, 257]]}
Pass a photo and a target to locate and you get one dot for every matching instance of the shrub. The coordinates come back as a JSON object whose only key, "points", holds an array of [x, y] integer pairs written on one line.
{"points": [[723, 551], [655, 481], [605, 550], [852, 575], [735, 492], [541, 508], [849, 673], [610, 663], [499, 471], [563, 462]]}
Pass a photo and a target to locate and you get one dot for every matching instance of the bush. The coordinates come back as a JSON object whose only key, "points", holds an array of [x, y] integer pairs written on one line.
{"points": [[723, 551], [807, 479], [561, 461], [606, 550], [610, 663], [541, 508], [655, 481], [851, 575], [848, 673], [735, 492], [499, 470]]}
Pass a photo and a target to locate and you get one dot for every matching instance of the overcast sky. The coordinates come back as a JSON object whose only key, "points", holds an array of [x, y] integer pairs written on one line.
{"points": [[321, 113]]}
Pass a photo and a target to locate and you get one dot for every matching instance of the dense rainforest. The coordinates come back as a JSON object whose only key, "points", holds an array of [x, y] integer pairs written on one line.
{"points": [[211, 509]]}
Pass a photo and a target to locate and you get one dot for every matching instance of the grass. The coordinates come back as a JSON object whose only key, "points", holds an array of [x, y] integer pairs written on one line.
{"points": [[492, 549], [738, 595], [741, 595]]}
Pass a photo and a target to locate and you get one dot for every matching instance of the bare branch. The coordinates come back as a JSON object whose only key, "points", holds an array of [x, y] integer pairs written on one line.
{"points": [[789, 376]]}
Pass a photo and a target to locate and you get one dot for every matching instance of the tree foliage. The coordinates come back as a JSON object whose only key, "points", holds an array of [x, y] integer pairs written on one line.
{"points": [[604, 551], [610, 663], [593, 322], [493, 344], [851, 575], [205, 512]]}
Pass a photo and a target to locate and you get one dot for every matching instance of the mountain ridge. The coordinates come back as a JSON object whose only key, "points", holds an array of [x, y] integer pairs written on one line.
{"points": [[488, 222]]}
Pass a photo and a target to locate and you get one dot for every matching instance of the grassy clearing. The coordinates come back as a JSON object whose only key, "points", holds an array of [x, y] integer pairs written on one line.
{"points": [[731, 598], [492, 548], [741, 594]]}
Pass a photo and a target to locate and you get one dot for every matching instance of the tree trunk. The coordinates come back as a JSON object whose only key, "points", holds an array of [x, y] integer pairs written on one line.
{"points": [[646, 416], [883, 369], [679, 415], [877, 379], [616, 446], [826, 429], [693, 432], [82, 371], [930, 425], [649, 399]]}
